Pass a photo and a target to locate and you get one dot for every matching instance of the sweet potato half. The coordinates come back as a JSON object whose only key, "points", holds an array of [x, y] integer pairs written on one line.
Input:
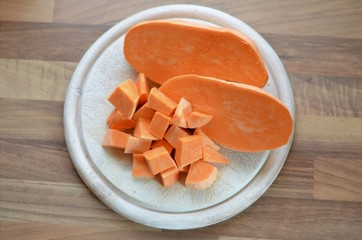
{"points": [[163, 49]]}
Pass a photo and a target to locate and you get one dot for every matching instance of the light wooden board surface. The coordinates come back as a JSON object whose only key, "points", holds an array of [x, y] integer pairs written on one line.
{"points": [[318, 194]]}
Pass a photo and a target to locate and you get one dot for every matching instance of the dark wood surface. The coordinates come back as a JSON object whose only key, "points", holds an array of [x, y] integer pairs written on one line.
{"points": [[318, 194]]}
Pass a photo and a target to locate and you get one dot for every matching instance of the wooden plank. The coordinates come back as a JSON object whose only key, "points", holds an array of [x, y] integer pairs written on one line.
{"points": [[338, 179], [27, 11], [305, 55], [290, 218], [326, 18], [34, 79], [327, 96]]}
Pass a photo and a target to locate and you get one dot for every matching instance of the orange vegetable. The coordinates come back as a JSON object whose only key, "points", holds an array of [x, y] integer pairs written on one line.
{"points": [[167, 48], [125, 98], [115, 139], [245, 118], [158, 101], [188, 150], [142, 129], [143, 89], [173, 134], [198, 119], [158, 160], [118, 122], [140, 167], [201, 175], [144, 112], [169, 176], [137, 145], [159, 124], [163, 143], [182, 113], [211, 156], [206, 140]]}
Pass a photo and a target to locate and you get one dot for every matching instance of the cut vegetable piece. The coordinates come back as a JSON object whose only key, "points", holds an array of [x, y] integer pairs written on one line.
{"points": [[143, 89], [198, 119], [158, 101], [115, 139], [173, 134], [144, 112], [125, 98], [245, 118], [118, 122], [188, 150], [211, 156], [140, 167], [182, 113], [206, 140], [137, 145], [159, 124], [184, 169], [169, 176], [164, 49], [142, 129], [158, 160], [201, 175], [164, 143]]}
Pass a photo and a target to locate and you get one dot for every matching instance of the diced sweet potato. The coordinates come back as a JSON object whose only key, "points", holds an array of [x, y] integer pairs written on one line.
{"points": [[140, 167], [182, 113], [206, 140], [214, 157], [143, 89], [115, 139], [198, 119], [144, 112], [164, 143], [125, 98], [159, 124], [142, 129], [137, 145], [169, 176], [158, 160], [188, 150], [173, 134], [118, 122], [158, 101], [201, 175]]}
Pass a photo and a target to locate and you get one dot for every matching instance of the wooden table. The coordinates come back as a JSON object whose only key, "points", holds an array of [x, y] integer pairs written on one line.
{"points": [[318, 194]]}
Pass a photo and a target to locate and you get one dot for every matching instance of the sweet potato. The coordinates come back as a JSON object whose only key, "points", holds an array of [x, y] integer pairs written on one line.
{"points": [[143, 89], [198, 119], [140, 167], [245, 118], [188, 150], [159, 124], [212, 156], [137, 145], [142, 129], [163, 143], [158, 160], [144, 112], [167, 48], [118, 122], [158, 101], [173, 134], [201, 175], [206, 140], [182, 113], [115, 139]]}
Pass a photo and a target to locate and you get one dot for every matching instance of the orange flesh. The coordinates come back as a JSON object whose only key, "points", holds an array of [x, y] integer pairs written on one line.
{"points": [[158, 101], [115, 139], [198, 119], [201, 175], [140, 167], [167, 48], [159, 124], [188, 150], [137, 145], [125, 98], [163, 143], [118, 122], [158, 160], [182, 113], [144, 112], [169, 176], [143, 89], [211, 156], [206, 140], [142, 129], [173, 134], [245, 118]]}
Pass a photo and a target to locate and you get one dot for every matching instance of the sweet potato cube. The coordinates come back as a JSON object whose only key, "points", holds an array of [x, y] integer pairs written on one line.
{"points": [[164, 143], [140, 167], [206, 140], [182, 113], [143, 88], [125, 98], [201, 175], [173, 134], [118, 122], [212, 156], [142, 129], [144, 112], [184, 169], [188, 150], [137, 145], [115, 139], [169, 176], [158, 101], [159, 124], [158, 160], [198, 119]]}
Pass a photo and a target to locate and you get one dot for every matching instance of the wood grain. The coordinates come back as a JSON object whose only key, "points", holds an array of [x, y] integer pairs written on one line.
{"points": [[34, 79], [27, 11]]}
